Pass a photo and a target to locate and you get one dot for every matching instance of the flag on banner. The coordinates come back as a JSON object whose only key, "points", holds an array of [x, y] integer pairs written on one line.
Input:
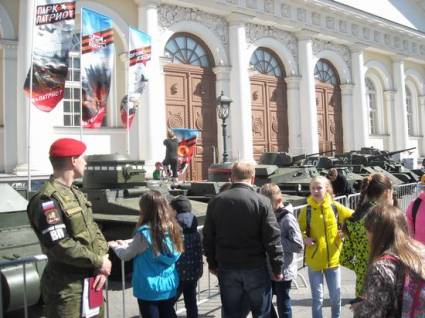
{"points": [[97, 47], [139, 54], [187, 142], [52, 38]]}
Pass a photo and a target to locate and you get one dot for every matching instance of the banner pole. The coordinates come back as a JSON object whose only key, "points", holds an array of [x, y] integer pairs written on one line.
{"points": [[128, 96], [81, 77], [29, 187]]}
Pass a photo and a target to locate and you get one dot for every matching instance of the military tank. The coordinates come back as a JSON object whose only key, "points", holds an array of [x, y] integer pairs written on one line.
{"points": [[288, 172], [113, 184], [371, 157], [17, 240]]}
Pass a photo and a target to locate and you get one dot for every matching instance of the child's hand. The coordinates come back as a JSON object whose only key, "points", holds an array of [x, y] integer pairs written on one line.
{"points": [[308, 241], [113, 244]]}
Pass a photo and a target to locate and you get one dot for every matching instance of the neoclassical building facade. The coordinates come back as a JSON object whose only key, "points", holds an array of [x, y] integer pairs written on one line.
{"points": [[304, 76]]}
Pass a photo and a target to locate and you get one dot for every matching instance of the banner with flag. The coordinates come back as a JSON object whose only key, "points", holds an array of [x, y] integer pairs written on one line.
{"points": [[97, 54], [52, 38], [139, 54], [187, 143]]}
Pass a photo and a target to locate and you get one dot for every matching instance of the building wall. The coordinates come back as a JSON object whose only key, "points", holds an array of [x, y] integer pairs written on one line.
{"points": [[357, 44]]}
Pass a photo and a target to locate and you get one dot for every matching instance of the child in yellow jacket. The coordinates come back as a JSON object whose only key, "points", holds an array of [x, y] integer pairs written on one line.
{"points": [[320, 223]]}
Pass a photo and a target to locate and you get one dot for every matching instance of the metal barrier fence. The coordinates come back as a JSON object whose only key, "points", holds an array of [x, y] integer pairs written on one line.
{"points": [[405, 193]]}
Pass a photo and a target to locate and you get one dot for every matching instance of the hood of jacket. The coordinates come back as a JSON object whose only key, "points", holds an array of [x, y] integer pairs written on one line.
{"points": [[187, 221]]}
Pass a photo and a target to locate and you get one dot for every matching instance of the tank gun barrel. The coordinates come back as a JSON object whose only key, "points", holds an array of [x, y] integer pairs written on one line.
{"points": [[389, 154], [305, 156]]}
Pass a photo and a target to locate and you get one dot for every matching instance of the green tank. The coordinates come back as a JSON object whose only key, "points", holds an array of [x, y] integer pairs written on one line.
{"points": [[372, 157], [17, 240], [113, 184], [288, 172]]}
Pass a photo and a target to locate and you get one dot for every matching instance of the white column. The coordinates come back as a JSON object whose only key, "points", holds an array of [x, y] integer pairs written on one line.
{"points": [[294, 114], [240, 116], [40, 123], [402, 137], [151, 122], [309, 135], [347, 116], [392, 118], [421, 152], [222, 74], [360, 113], [9, 81]]}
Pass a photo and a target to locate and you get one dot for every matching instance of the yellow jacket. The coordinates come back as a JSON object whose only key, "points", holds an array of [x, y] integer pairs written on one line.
{"points": [[324, 230]]}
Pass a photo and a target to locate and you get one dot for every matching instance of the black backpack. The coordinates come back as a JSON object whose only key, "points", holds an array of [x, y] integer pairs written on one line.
{"points": [[190, 263], [415, 209]]}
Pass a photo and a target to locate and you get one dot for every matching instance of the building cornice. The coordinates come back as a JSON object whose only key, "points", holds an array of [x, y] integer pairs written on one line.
{"points": [[331, 21]]}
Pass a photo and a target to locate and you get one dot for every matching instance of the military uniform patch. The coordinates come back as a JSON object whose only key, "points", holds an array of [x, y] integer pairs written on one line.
{"points": [[51, 213]]}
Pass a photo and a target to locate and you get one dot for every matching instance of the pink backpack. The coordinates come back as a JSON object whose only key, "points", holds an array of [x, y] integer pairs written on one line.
{"points": [[413, 305]]}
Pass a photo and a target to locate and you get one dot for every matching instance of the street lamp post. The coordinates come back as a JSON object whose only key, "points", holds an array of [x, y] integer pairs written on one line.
{"points": [[223, 109]]}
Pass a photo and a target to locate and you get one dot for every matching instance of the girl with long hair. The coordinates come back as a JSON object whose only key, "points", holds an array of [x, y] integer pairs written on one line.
{"points": [[155, 249], [392, 254], [319, 222], [375, 189]]}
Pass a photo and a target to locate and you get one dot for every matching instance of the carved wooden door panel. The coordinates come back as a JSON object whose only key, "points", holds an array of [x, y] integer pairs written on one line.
{"points": [[190, 103], [321, 119], [329, 117], [269, 115]]}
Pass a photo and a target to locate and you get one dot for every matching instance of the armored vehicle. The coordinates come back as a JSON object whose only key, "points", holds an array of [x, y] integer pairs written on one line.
{"points": [[276, 167], [17, 240], [384, 160], [114, 184]]}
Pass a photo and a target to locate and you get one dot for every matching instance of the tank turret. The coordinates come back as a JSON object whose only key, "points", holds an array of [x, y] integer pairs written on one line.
{"points": [[17, 240]]}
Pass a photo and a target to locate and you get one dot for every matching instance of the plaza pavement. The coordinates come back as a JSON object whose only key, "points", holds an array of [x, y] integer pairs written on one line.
{"points": [[211, 307], [301, 298]]}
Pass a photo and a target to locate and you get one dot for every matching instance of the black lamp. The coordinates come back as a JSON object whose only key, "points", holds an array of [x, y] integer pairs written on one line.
{"points": [[223, 109]]}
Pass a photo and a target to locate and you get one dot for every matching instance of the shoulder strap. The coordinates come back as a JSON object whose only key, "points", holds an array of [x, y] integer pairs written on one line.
{"points": [[308, 221], [415, 209], [335, 209]]}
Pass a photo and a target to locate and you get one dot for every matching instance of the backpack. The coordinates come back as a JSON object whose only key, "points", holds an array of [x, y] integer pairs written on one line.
{"points": [[308, 223], [415, 209], [308, 218], [190, 263], [413, 295]]}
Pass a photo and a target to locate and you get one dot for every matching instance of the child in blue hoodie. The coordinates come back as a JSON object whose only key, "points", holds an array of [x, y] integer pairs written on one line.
{"points": [[155, 248]]}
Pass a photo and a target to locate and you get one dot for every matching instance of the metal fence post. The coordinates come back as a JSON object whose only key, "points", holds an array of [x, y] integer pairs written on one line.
{"points": [[25, 291], [123, 287]]}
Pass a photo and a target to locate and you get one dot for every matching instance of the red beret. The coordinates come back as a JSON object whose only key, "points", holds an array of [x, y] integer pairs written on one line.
{"points": [[67, 147]]}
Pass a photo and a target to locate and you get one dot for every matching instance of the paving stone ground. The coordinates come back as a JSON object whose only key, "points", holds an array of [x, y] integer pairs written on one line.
{"points": [[211, 307]]}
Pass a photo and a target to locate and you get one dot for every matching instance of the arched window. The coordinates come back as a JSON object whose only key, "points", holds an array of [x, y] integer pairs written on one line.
{"points": [[186, 49], [325, 72], [409, 109], [265, 62], [371, 101]]}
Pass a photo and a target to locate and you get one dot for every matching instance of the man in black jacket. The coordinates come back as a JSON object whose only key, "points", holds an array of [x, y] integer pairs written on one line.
{"points": [[240, 231], [339, 183]]}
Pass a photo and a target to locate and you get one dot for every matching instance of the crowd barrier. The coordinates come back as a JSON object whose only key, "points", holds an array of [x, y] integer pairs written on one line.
{"points": [[206, 288]]}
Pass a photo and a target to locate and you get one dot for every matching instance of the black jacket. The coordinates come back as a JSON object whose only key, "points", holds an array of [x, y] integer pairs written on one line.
{"points": [[341, 186], [240, 229]]}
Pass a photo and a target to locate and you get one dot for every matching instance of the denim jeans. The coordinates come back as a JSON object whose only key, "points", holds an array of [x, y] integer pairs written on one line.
{"points": [[157, 309], [333, 280], [189, 295], [244, 290], [283, 301]]}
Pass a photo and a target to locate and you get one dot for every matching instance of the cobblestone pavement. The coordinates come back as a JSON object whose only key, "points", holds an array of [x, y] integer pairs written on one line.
{"points": [[211, 307]]}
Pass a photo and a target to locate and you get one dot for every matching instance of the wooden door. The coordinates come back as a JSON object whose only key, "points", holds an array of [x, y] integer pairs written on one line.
{"points": [[329, 117], [328, 104], [269, 115], [191, 103]]}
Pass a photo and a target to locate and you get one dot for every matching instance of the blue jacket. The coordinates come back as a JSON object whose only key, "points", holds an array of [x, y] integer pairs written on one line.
{"points": [[155, 277]]}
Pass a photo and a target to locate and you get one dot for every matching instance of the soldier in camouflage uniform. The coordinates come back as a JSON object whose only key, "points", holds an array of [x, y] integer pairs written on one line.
{"points": [[62, 219]]}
